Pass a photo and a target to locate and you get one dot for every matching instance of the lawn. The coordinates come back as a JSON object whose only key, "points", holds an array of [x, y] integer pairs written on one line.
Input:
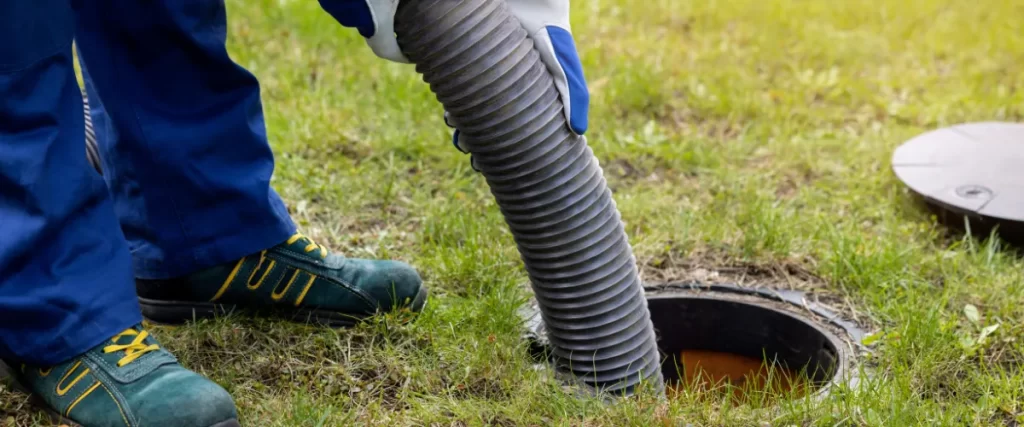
{"points": [[738, 136]]}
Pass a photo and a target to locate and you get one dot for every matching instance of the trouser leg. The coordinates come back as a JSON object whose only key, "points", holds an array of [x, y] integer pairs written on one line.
{"points": [[182, 134], [65, 270]]}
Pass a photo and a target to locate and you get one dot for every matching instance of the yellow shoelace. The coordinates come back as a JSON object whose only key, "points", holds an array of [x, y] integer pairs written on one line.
{"points": [[310, 246], [132, 350]]}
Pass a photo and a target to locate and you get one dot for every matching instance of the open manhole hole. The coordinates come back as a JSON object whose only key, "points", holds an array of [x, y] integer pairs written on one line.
{"points": [[745, 344], [717, 344]]}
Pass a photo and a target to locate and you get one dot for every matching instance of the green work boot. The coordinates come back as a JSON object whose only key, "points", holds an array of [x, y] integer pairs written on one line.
{"points": [[297, 280], [126, 382]]}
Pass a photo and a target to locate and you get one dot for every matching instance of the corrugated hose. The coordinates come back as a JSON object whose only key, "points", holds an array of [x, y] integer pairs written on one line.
{"points": [[482, 67]]}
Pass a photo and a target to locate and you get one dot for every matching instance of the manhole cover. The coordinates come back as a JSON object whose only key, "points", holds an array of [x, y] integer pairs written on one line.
{"points": [[973, 170]]}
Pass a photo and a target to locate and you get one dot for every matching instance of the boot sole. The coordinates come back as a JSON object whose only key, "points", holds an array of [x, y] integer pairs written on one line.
{"points": [[64, 421], [181, 312], [57, 418]]}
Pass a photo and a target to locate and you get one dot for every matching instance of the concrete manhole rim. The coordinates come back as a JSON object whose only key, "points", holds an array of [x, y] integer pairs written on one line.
{"points": [[844, 335], [794, 302]]}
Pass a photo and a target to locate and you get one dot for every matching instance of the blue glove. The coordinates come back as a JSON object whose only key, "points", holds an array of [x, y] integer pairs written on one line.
{"points": [[375, 20], [547, 23]]}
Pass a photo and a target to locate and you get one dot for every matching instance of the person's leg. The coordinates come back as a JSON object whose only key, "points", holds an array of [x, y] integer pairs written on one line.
{"points": [[69, 319], [181, 134], [65, 270], [186, 156]]}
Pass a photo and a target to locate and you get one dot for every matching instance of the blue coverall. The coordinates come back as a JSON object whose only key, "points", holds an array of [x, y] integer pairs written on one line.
{"points": [[186, 162]]}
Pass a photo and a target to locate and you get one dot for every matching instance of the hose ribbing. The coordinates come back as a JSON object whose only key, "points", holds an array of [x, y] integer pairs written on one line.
{"points": [[483, 68]]}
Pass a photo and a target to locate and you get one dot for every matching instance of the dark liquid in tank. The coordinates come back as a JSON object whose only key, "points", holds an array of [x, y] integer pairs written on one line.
{"points": [[705, 371]]}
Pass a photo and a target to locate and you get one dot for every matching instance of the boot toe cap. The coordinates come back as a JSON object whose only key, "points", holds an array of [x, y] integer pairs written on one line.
{"points": [[392, 284], [186, 399]]}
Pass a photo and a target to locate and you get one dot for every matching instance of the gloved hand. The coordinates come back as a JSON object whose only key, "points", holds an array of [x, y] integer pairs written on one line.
{"points": [[375, 20], [547, 23]]}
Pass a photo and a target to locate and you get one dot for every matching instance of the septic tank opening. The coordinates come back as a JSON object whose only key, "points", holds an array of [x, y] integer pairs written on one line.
{"points": [[715, 346], [724, 330]]}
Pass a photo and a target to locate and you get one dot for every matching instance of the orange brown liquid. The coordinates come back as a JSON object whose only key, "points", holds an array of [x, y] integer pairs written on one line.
{"points": [[747, 378]]}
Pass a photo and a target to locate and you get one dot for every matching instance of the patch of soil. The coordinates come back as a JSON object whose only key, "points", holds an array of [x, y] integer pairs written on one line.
{"points": [[793, 181], [626, 170], [710, 268], [696, 123]]}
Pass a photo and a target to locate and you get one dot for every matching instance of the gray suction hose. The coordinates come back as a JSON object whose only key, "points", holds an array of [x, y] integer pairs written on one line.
{"points": [[481, 66]]}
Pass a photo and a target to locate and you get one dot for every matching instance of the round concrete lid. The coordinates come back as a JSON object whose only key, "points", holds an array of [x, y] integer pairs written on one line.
{"points": [[974, 168]]}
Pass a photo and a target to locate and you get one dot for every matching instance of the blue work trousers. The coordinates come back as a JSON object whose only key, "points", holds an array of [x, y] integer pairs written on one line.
{"points": [[186, 164]]}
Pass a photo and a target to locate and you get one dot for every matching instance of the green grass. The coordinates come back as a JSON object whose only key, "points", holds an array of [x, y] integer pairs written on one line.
{"points": [[741, 135]]}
